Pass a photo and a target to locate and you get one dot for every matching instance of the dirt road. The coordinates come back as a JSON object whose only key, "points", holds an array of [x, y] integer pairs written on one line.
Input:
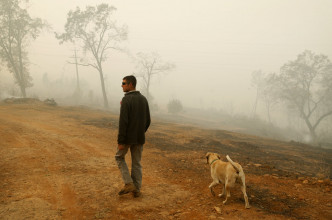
{"points": [[58, 163]]}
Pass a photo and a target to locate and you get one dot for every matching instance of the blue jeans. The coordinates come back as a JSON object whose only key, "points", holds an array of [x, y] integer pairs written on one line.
{"points": [[136, 167]]}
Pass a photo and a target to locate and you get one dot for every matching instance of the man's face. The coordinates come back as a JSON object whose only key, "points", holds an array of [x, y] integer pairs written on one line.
{"points": [[125, 86]]}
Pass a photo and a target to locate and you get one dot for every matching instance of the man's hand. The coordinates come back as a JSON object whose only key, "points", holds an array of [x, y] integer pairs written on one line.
{"points": [[121, 146]]}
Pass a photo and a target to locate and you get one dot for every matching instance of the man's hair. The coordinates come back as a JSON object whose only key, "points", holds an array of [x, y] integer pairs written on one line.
{"points": [[130, 79]]}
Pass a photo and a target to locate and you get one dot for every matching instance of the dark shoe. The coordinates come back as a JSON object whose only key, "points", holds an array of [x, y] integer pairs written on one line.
{"points": [[129, 187], [137, 193]]}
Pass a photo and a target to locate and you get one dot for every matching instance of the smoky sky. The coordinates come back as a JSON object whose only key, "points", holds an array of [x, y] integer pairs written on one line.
{"points": [[215, 45]]}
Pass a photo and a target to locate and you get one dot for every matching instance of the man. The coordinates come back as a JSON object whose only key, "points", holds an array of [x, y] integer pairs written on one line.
{"points": [[133, 123]]}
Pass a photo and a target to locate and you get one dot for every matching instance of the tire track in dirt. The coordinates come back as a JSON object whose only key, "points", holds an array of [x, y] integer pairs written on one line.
{"points": [[45, 170], [38, 157]]}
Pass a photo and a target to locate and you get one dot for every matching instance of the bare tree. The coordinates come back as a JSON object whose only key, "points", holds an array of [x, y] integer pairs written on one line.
{"points": [[257, 79], [305, 84], [17, 30], [265, 91], [269, 95], [98, 33], [148, 66]]}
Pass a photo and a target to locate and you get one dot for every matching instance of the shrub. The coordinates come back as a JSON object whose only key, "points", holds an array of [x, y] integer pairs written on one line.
{"points": [[174, 106]]}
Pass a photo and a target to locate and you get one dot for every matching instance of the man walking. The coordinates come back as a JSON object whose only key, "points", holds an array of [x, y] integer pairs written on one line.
{"points": [[133, 123]]}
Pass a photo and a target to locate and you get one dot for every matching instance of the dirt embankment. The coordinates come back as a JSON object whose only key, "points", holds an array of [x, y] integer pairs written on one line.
{"points": [[58, 163]]}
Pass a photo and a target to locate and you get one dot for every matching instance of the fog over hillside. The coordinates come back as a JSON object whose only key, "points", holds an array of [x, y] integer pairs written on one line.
{"points": [[213, 46]]}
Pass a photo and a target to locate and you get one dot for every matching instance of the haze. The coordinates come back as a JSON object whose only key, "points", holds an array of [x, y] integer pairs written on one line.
{"points": [[215, 45]]}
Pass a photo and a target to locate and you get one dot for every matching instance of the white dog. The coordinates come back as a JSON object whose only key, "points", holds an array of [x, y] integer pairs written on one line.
{"points": [[227, 173]]}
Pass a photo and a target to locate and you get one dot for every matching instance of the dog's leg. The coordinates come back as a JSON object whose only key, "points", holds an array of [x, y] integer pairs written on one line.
{"points": [[223, 191], [213, 184], [228, 193], [243, 189]]}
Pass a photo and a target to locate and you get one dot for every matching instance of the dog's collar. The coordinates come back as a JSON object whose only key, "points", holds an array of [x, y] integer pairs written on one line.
{"points": [[213, 161]]}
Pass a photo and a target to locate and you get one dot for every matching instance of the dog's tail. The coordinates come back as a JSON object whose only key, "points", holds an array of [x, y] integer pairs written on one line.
{"points": [[233, 164]]}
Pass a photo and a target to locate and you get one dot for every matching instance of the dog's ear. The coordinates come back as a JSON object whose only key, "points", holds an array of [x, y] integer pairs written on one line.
{"points": [[218, 156], [207, 157]]}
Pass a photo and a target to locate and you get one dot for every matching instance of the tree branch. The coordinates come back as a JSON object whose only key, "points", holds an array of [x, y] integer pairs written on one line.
{"points": [[101, 37], [81, 64], [321, 118]]}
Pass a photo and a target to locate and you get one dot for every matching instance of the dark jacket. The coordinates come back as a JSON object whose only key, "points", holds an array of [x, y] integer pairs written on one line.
{"points": [[134, 118]]}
